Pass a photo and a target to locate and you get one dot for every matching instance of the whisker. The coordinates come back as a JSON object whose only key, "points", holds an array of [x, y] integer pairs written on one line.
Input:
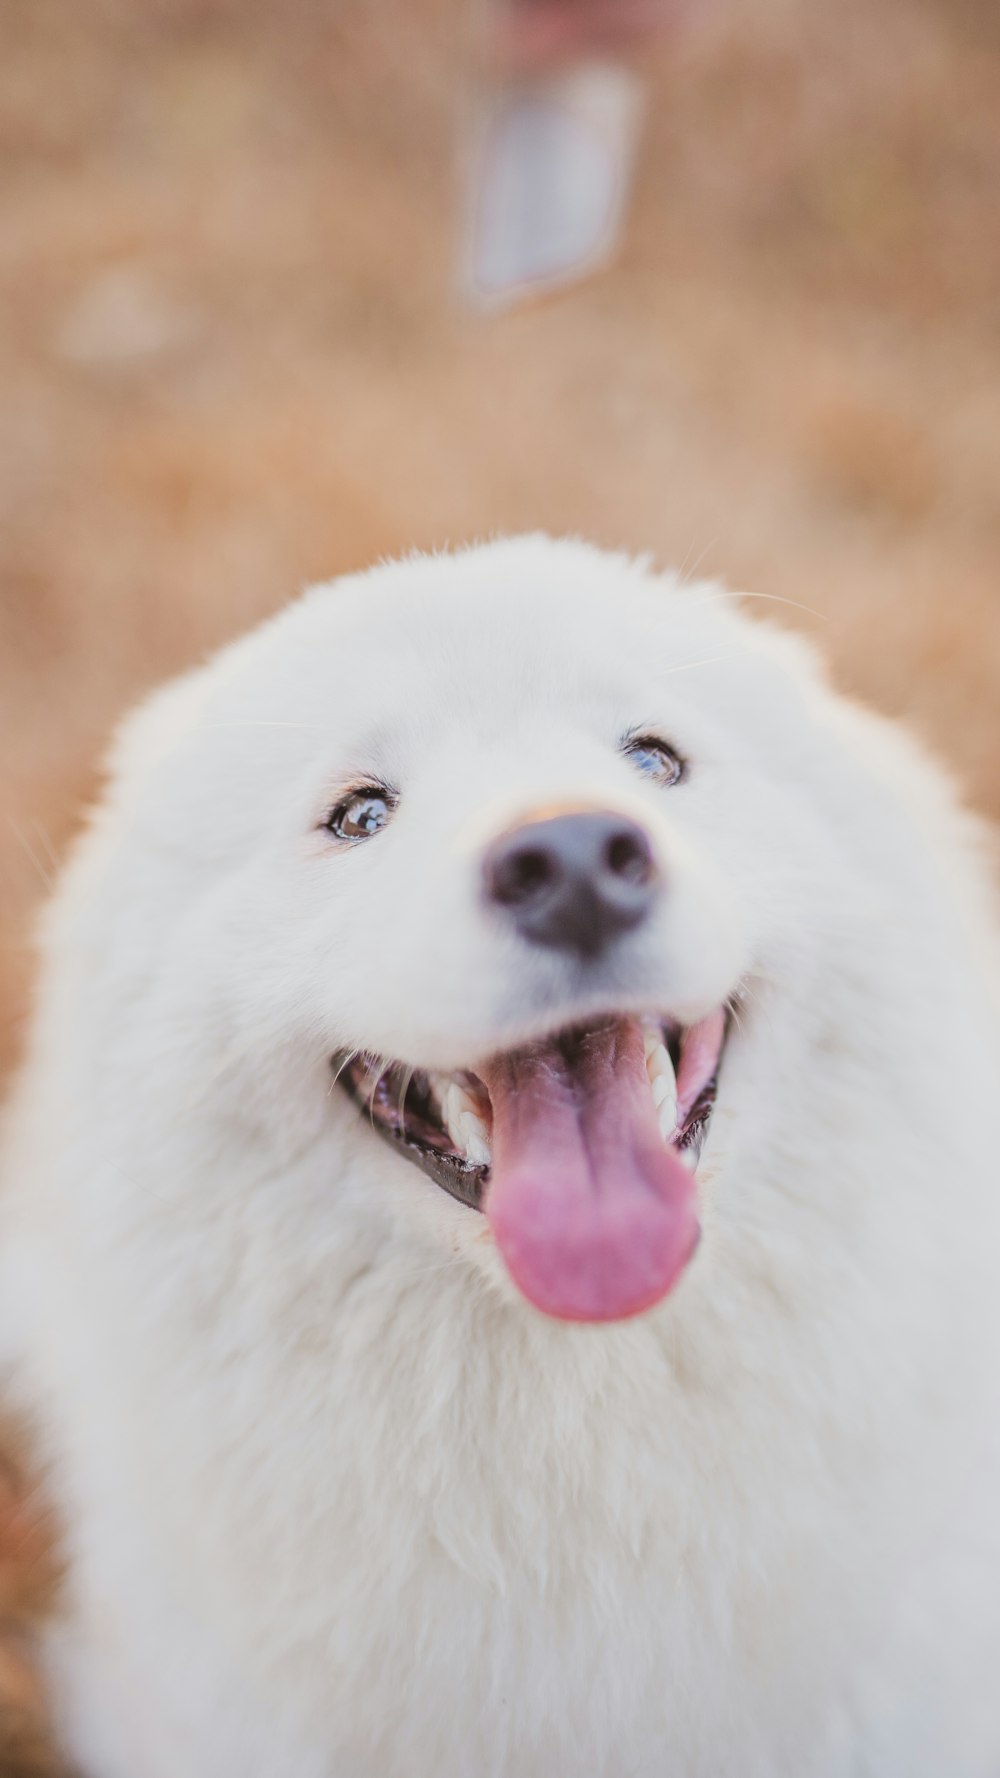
{"points": [[45, 842], [710, 660], [44, 873], [312, 727], [381, 1071], [347, 1058], [750, 992], [772, 598], [685, 574], [408, 1074]]}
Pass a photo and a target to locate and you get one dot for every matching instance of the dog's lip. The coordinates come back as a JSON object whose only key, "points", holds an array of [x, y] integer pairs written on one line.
{"points": [[400, 1104]]}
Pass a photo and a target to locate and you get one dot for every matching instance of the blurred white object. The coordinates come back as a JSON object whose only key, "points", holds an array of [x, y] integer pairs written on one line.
{"points": [[122, 317], [549, 179]]}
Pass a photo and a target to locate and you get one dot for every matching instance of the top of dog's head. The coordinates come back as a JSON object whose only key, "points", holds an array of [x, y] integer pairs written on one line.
{"points": [[512, 844]]}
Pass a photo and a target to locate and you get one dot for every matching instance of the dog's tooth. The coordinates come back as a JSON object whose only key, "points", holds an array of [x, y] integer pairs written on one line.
{"points": [[652, 1035], [666, 1117], [465, 1126], [475, 1142], [663, 1089], [444, 1090], [663, 1085], [450, 1109], [440, 1085], [689, 1158]]}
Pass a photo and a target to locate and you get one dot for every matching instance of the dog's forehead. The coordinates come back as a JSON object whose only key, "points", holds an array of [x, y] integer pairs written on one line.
{"points": [[479, 639]]}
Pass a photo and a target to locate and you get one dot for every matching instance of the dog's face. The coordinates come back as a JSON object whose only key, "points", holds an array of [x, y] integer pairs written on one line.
{"points": [[490, 851]]}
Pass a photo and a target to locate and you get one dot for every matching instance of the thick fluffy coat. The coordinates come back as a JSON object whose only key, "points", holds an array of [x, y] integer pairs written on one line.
{"points": [[337, 1502]]}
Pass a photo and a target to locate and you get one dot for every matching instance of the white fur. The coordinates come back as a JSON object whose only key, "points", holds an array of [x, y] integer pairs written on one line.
{"points": [[337, 1502]]}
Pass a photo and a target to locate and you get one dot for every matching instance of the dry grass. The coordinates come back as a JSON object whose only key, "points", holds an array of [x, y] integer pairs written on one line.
{"points": [[230, 360]]}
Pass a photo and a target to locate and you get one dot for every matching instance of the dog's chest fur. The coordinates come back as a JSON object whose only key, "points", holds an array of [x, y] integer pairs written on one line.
{"points": [[439, 1538]]}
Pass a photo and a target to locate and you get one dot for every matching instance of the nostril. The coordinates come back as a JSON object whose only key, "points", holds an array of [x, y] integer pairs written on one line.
{"points": [[574, 881], [523, 873], [628, 855]]}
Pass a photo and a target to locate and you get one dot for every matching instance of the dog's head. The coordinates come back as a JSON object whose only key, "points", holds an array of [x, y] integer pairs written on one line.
{"points": [[471, 870]]}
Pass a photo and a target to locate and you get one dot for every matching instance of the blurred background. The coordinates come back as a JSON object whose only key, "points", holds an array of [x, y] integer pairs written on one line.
{"points": [[232, 359]]}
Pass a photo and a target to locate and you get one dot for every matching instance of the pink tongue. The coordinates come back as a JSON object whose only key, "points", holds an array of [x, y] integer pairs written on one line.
{"points": [[593, 1213]]}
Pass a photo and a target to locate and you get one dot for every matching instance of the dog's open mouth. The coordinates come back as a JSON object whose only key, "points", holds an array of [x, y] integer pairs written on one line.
{"points": [[581, 1149]]}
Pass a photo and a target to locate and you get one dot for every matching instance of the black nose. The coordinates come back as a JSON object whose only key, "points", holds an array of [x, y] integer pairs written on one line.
{"points": [[575, 881]]}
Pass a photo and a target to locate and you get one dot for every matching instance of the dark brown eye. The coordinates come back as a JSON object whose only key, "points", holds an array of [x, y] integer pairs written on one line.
{"points": [[361, 814], [655, 759]]}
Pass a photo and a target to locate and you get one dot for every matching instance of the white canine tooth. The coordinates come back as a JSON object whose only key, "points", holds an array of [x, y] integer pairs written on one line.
{"points": [[477, 1144], [662, 1089], [663, 1084], [689, 1158], [464, 1125], [666, 1117], [439, 1085]]}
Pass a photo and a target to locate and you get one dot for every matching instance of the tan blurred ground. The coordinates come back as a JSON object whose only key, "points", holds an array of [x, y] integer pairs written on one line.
{"points": [[229, 359]]}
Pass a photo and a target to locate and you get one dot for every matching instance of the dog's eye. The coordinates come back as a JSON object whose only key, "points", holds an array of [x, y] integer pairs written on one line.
{"points": [[655, 759], [360, 815]]}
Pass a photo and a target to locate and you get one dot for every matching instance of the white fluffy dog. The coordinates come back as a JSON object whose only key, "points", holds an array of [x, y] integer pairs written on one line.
{"points": [[445, 959]]}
